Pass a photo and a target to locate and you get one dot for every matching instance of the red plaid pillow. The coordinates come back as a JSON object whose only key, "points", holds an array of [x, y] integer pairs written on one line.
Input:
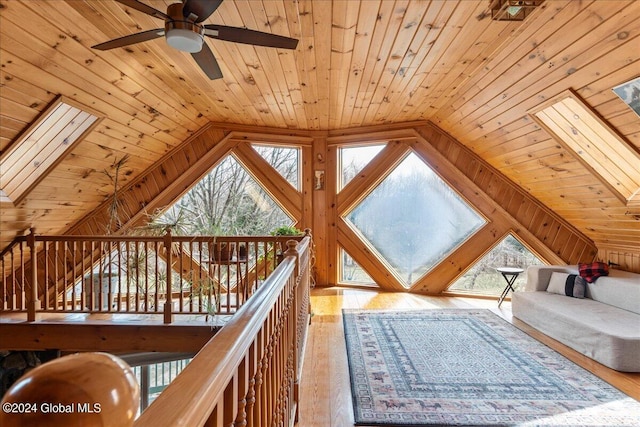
{"points": [[590, 272]]}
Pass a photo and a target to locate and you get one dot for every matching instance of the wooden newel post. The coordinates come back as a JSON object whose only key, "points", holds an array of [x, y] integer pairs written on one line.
{"points": [[168, 305], [312, 258], [293, 251], [83, 389], [33, 306]]}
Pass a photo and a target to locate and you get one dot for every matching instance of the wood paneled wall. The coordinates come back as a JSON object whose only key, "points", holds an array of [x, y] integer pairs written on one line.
{"points": [[621, 258], [159, 185], [508, 208]]}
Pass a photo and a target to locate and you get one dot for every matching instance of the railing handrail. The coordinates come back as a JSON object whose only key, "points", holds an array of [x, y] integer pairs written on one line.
{"points": [[142, 238], [69, 273], [190, 399], [138, 238]]}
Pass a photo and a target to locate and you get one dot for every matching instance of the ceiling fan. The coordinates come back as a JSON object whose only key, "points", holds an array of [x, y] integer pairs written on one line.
{"points": [[183, 31]]}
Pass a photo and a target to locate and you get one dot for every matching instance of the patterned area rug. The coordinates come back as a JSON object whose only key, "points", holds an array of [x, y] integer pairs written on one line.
{"points": [[469, 367]]}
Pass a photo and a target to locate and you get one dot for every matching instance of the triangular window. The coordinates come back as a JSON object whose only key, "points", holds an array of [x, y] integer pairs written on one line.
{"points": [[353, 159], [226, 202], [286, 160], [352, 273], [483, 278]]}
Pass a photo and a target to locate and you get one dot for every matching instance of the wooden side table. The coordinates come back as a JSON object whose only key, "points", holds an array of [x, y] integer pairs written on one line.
{"points": [[510, 275]]}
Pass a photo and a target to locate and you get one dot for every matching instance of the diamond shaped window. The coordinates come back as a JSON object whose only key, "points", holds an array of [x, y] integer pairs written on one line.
{"points": [[413, 219]]}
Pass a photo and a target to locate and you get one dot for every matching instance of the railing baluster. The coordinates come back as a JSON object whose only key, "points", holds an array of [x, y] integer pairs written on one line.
{"points": [[83, 269], [22, 284], [65, 263], [34, 303], [199, 280], [144, 387], [136, 278], [8, 280], [244, 374], [12, 302], [121, 249], [61, 269], [93, 260], [105, 293], [168, 306], [45, 249], [154, 287], [74, 257], [3, 284], [93, 298], [14, 282], [145, 296]]}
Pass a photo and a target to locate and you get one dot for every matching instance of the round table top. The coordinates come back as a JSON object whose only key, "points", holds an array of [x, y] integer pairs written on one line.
{"points": [[510, 270]]}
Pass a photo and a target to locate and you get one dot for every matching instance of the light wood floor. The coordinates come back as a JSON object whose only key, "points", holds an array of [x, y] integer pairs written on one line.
{"points": [[325, 395]]}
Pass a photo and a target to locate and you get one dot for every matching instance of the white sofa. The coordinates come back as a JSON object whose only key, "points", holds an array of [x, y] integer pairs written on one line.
{"points": [[604, 326]]}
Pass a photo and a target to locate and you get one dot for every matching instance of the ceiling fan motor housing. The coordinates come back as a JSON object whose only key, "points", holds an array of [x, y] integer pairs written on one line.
{"points": [[181, 33]]}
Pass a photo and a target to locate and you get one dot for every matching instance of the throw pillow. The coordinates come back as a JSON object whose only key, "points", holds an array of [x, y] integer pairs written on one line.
{"points": [[570, 285], [557, 282], [592, 271], [575, 286]]}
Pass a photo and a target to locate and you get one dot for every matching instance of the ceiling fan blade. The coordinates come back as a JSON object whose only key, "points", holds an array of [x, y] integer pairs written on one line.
{"points": [[246, 36], [202, 9], [207, 62], [135, 4], [130, 39]]}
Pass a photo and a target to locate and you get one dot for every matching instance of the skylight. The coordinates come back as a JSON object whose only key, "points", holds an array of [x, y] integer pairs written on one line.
{"points": [[594, 143], [42, 146]]}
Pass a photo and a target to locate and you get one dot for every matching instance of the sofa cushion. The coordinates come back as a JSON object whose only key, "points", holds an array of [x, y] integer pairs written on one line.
{"points": [[619, 288], [570, 285], [602, 332]]}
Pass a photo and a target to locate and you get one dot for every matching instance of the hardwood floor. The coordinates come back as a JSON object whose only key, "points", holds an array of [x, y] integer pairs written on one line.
{"points": [[325, 395]]}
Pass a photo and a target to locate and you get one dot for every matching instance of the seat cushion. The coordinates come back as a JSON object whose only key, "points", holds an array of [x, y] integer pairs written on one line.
{"points": [[620, 289], [605, 333]]}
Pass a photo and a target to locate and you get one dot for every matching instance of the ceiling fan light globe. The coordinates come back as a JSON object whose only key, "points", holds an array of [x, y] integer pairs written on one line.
{"points": [[184, 40]]}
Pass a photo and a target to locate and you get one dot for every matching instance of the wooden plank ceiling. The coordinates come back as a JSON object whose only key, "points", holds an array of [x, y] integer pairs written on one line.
{"points": [[358, 63]]}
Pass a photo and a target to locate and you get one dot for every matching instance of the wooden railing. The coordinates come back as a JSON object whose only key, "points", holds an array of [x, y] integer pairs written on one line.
{"points": [[130, 274], [248, 373]]}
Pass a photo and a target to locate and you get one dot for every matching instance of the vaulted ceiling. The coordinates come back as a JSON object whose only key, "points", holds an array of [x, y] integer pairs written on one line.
{"points": [[358, 63]]}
